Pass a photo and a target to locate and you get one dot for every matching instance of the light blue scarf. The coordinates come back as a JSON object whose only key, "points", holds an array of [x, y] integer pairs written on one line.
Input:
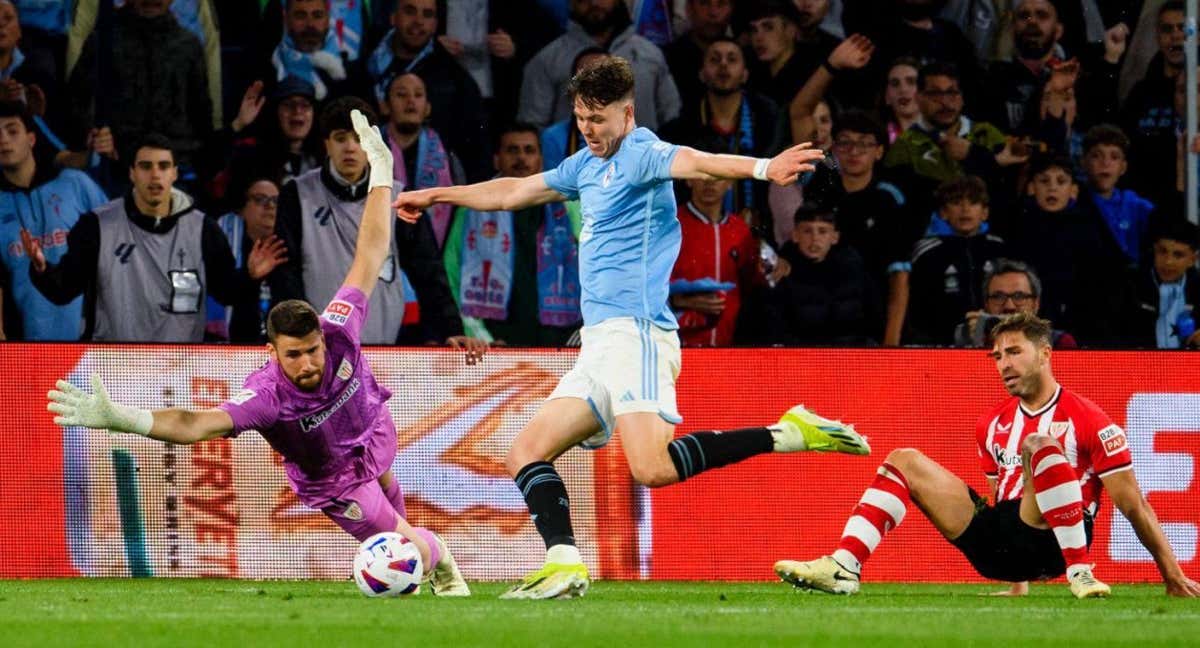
{"points": [[289, 61]]}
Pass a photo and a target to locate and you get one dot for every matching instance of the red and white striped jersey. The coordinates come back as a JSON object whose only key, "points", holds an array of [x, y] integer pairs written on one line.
{"points": [[1093, 444]]}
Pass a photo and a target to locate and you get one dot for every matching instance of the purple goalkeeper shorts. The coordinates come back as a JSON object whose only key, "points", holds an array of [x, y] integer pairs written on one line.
{"points": [[363, 511]]}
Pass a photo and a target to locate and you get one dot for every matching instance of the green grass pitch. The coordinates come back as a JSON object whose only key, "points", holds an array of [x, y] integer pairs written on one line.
{"points": [[614, 614]]}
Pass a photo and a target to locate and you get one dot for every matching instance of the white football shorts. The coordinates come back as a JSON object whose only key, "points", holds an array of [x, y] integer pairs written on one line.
{"points": [[626, 365]]}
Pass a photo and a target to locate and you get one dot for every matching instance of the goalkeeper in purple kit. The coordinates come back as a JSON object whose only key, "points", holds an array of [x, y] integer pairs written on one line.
{"points": [[316, 401]]}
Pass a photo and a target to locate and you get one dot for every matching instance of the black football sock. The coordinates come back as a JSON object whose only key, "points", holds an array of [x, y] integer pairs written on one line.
{"points": [[694, 453], [546, 497]]}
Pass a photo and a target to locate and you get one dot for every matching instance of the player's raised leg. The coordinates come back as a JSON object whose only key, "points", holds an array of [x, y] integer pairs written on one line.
{"points": [[646, 412], [1053, 499], [559, 424], [907, 475], [691, 454]]}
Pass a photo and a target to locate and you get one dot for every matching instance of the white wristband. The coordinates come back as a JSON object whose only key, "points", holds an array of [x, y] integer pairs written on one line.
{"points": [[133, 420], [760, 168]]}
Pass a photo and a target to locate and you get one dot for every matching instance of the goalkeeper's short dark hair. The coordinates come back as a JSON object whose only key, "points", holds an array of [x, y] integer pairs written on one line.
{"points": [[293, 318]]}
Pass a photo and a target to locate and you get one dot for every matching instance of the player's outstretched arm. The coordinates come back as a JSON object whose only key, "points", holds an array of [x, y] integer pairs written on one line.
{"points": [[75, 407], [1122, 487], [509, 194], [375, 229], [783, 169]]}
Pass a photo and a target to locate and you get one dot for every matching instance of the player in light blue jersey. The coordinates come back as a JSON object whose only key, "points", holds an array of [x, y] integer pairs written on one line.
{"points": [[624, 377]]}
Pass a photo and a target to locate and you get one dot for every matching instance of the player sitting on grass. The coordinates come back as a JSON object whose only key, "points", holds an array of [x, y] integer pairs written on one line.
{"points": [[624, 377], [311, 400], [1047, 454]]}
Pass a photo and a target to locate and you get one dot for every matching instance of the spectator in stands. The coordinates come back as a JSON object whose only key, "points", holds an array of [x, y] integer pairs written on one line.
{"points": [[255, 199], [1080, 264], [288, 144], [281, 146], [561, 139], [1167, 294], [827, 298], [37, 198], [1126, 213], [145, 262], [778, 71], [1029, 93], [457, 106], [947, 271], [731, 119], [719, 250], [515, 275], [311, 50], [1015, 85], [1008, 287], [196, 16], [152, 80], [900, 97], [944, 144], [603, 23], [873, 215], [318, 218], [355, 23], [1149, 116], [421, 160], [708, 20]]}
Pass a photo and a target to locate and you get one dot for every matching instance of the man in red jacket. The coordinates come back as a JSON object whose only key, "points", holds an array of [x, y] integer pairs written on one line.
{"points": [[717, 264]]}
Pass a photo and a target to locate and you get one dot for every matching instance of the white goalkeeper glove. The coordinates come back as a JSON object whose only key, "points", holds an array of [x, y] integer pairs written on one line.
{"points": [[378, 154], [77, 407]]}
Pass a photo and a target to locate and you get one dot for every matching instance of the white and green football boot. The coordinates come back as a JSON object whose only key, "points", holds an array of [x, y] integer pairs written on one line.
{"points": [[799, 429], [552, 581]]}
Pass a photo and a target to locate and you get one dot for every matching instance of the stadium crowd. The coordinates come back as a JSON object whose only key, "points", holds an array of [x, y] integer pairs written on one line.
{"points": [[170, 169]]}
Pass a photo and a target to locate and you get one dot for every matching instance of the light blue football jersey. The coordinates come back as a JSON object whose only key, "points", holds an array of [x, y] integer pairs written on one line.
{"points": [[630, 237]]}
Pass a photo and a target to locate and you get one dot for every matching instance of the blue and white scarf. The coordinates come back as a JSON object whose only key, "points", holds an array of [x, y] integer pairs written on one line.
{"points": [[289, 61]]}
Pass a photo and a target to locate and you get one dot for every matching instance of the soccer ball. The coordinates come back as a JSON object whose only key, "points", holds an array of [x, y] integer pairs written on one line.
{"points": [[387, 564]]}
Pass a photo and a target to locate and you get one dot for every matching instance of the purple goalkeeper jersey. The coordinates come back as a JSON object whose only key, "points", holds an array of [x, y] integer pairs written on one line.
{"points": [[336, 437]]}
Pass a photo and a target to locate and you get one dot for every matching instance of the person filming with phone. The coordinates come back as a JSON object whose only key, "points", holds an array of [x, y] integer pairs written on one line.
{"points": [[1010, 287]]}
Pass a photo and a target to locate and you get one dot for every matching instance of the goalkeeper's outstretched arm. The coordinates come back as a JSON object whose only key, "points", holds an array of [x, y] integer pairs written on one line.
{"points": [[375, 229], [75, 407]]}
